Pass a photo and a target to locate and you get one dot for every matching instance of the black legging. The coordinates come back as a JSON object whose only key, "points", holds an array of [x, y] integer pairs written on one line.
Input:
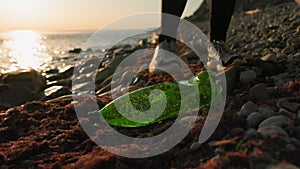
{"points": [[220, 16]]}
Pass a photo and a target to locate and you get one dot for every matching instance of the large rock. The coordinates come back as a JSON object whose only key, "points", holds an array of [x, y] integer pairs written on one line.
{"points": [[20, 86]]}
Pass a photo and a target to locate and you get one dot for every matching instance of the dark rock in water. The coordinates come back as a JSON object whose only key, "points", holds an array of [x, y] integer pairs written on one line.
{"points": [[21, 86], [62, 82], [104, 74], [55, 92], [76, 50], [51, 71], [66, 73], [259, 92]]}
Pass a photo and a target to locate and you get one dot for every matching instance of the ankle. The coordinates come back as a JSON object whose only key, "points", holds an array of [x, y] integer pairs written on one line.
{"points": [[166, 38]]}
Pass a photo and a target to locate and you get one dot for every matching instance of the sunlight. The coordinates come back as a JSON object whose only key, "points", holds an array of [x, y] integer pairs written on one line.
{"points": [[24, 49]]}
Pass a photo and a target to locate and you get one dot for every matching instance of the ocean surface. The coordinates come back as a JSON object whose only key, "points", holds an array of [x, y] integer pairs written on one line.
{"points": [[24, 49]]}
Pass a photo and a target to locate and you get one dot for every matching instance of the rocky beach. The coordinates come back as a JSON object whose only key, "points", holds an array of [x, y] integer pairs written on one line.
{"points": [[260, 127]]}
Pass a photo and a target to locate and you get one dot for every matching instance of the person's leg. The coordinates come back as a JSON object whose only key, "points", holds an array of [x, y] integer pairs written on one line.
{"points": [[220, 16], [167, 41], [169, 25]]}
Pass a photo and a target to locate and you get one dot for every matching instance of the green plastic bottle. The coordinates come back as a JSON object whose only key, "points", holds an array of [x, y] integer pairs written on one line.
{"points": [[159, 102]]}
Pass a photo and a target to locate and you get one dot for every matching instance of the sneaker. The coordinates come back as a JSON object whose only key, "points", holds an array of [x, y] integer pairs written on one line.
{"points": [[226, 55], [163, 59]]}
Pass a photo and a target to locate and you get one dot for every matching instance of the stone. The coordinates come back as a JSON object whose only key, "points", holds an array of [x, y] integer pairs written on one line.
{"points": [[288, 50], [21, 86], [247, 109], [287, 103], [280, 76], [30, 79], [75, 51], [279, 121], [286, 113], [282, 165], [247, 76], [259, 92], [220, 151], [254, 119], [269, 57], [236, 132], [195, 146], [63, 74], [273, 132], [266, 111], [55, 92], [251, 133], [257, 70], [104, 73]]}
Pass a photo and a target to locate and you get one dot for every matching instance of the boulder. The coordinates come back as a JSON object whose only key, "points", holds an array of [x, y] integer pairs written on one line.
{"points": [[20, 86]]}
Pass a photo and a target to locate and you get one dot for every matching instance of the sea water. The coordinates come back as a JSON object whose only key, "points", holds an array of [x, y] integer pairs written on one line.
{"points": [[40, 50]]}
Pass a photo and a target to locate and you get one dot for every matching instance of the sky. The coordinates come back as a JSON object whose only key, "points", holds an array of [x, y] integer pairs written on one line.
{"points": [[50, 15]]}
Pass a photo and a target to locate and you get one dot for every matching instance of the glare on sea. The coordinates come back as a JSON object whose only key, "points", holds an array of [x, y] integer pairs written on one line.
{"points": [[24, 50]]}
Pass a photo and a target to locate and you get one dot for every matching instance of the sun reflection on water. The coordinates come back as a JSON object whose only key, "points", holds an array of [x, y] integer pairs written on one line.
{"points": [[25, 50]]}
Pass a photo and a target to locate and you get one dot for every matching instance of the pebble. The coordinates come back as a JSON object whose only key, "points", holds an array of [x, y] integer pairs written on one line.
{"points": [[257, 70], [287, 50], [254, 119], [280, 76], [236, 132], [286, 103], [269, 57], [247, 109], [295, 141], [251, 133], [279, 121], [259, 92], [55, 92], [273, 132], [220, 151], [266, 111], [282, 166], [195, 146], [247, 76], [286, 113]]}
